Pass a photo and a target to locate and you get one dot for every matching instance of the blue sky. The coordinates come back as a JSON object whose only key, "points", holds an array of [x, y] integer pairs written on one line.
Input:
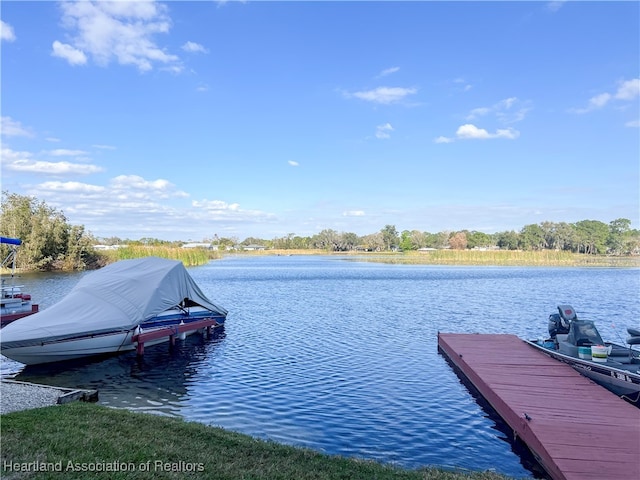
{"points": [[185, 120]]}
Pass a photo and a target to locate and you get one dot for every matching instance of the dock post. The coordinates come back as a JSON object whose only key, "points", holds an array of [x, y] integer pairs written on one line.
{"points": [[140, 349]]}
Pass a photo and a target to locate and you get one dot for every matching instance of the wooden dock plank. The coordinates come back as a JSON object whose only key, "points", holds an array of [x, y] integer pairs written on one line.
{"points": [[576, 428]]}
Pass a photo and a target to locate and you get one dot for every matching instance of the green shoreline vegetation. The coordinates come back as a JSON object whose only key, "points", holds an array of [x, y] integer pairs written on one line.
{"points": [[50, 243], [86, 441]]}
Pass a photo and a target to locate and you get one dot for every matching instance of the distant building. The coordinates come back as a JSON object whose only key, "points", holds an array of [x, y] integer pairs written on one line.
{"points": [[109, 247], [254, 247], [208, 246]]}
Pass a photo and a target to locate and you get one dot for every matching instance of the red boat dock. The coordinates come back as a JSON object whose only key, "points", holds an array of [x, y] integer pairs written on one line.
{"points": [[576, 429], [171, 332]]}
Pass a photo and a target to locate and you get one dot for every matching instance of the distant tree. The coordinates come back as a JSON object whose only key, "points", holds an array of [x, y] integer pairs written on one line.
{"points": [[591, 236], [301, 243], [458, 241], [477, 239], [110, 241], [619, 234], [508, 240], [565, 236], [49, 241], [80, 252], [227, 242], [327, 239], [349, 241], [436, 240], [532, 238], [389, 236], [285, 242], [254, 241], [411, 240], [632, 245], [373, 242]]}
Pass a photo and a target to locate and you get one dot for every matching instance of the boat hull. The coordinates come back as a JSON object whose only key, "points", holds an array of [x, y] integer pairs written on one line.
{"points": [[95, 344], [7, 318]]}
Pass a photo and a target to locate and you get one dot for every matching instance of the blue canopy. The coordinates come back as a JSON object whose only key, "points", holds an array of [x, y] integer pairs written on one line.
{"points": [[11, 241]]}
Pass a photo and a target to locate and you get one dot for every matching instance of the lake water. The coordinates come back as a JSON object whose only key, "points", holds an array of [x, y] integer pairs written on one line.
{"points": [[341, 356]]}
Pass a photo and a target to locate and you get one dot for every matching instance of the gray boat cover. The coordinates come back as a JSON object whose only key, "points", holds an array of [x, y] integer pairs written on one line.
{"points": [[117, 297]]}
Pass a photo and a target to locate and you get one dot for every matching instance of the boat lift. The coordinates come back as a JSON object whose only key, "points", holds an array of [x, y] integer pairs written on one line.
{"points": [[141, 337]]}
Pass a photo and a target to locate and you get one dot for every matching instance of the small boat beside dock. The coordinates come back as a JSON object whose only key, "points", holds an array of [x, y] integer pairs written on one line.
{"points": [[14, 303], [579, 344], [575, 428]]}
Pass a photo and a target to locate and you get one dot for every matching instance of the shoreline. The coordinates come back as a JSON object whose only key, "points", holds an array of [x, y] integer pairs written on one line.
{"points": [[444, 257]]}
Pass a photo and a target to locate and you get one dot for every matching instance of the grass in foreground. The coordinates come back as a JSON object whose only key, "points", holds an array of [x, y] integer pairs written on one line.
{"points": [[83, 441]]}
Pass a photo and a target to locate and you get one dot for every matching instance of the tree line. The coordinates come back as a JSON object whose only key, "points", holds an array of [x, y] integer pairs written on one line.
{"points": [[586, 236], [51, 243]]}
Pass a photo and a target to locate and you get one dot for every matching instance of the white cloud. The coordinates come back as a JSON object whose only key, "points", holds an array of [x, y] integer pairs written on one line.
{"points": [[131, 206], [478, 112], [216, 205], [633, 123], [293, 163], [353, 213], [71, 187], [12, 128], [508, 110], [194, 48], [465, 85], [382, 131], [599, 101], [627, 91], [388, 71], [13, 161], [555, 5], [471, 132], [68, 53], [62, 152], [6, 32], [384, 95], [116, 31], [126, 186], [229, 212]]}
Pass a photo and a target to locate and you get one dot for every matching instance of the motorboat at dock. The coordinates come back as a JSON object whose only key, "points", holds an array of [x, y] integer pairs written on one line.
{"points": [[578, 343], [111, 310]]}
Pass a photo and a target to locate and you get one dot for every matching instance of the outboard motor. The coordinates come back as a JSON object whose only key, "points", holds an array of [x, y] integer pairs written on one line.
{"points": [[559, 322]]}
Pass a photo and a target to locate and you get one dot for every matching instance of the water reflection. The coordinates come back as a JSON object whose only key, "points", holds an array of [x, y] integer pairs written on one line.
{"points": [[158, 382]]}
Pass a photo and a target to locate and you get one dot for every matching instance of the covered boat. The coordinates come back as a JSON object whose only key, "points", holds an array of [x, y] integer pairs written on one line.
{"points": [[578, 343], [109, 309]]}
